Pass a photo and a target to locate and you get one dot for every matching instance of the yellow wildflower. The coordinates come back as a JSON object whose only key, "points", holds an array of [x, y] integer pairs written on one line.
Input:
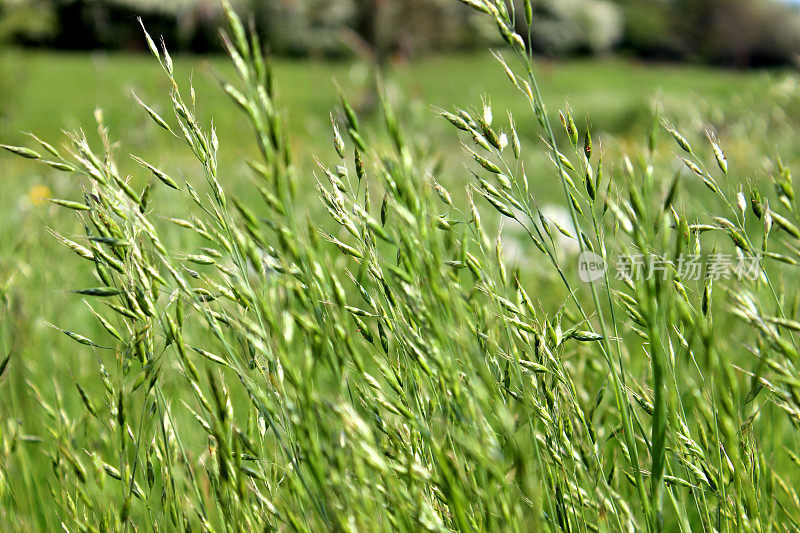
{"points": [[39, 194]]}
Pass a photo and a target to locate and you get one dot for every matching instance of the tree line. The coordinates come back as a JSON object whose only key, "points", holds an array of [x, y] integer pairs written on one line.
{"points": [[734, 32]]}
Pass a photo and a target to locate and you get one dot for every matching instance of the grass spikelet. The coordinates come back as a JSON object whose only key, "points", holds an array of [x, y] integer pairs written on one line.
{"points": [[20, 151], [594, 364], [75, 206]]}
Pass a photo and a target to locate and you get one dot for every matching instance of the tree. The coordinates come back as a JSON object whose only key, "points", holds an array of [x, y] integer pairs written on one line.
{"points": [[573, 26]]}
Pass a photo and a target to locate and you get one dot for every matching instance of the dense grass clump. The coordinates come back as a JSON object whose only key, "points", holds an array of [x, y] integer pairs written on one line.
{"points": [[387, 368]]}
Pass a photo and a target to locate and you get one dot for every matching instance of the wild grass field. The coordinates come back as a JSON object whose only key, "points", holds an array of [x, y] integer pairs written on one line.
{"points": [[496, 397]]}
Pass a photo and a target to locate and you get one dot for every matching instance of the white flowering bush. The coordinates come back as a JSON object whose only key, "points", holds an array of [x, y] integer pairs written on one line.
{"points": [[566, 26]]}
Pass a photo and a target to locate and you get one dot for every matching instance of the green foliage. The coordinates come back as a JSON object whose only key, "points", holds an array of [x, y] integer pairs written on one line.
{"points": [[649, 29], [27, 20], [569, 26], [737, 32], [384, 366]]}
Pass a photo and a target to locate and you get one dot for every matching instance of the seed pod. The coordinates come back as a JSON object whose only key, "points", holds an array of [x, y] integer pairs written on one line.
{"points": [[121, 413], [474, 265], [444, 196], [75, 247], [590, 183], [627, 164], [360, 172], [155, 116], [587, 145], [515, 145], [680, 139], [384, 209], [497, 204], [487, 114], [707, 294], [528, 12], [566, 163], [498, 249], [476, 4], [673, 191], [349, 113], [738, 240], [108, 241], [47, 146], [599, 174], [756, 203], [481, 141], [622, 218], [510, 73], [157, 173], [572, 130], [785, 225], [681, 289], [359, 142], [442, 223], [783, 185], [86, 402], [722, 161], [27, 153], [105, 323], [338, 142], [200, 259], [102, 292], [344, 248], [636, 202], [586, 336], [504, 182], [75, 206], [210, 356], [455, 120], [476, 220], [58, 165], [491, 136], [683, 230], [741, 202], [488, 187], [485, 163]]}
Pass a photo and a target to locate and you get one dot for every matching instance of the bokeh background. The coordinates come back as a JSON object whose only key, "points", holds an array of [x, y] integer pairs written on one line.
{"points": [[730, 32]]}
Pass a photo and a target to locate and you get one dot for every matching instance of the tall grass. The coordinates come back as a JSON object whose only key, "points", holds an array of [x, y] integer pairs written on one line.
{"points": [[388, 369]]}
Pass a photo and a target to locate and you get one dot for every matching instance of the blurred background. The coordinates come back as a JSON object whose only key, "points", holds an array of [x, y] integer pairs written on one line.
{"points": [[612, 56], [729, 32]]}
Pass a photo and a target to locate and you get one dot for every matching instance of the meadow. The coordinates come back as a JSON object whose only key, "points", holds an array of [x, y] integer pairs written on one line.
{"points": [[430, 381]]}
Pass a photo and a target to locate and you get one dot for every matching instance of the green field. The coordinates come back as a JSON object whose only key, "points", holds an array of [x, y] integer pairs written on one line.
{"points": [[47, 92], [754, 113]]}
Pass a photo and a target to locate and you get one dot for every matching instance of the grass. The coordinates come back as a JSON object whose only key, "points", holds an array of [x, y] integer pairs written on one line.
{"points": [[619, 93], [381, 364]]}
